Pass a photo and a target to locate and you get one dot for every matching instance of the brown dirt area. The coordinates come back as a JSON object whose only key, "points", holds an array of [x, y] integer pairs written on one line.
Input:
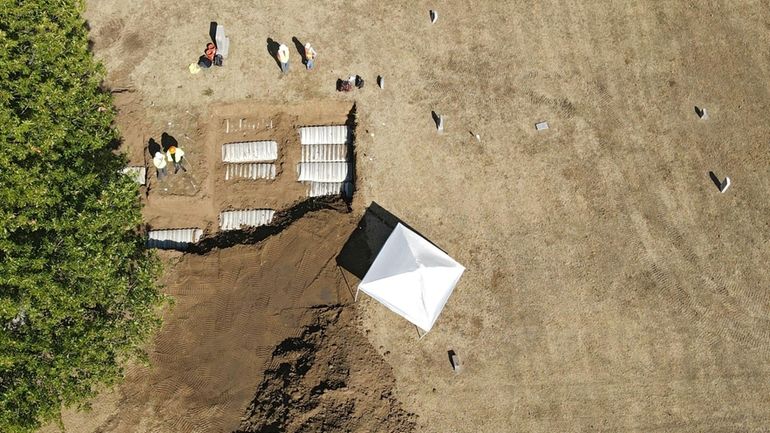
{"points": [[232, 308], [610, 286], [196, 197], [325, 380]]}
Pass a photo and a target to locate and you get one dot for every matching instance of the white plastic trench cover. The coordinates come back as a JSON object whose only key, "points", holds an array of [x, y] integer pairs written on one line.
{"points": [[412, 277]]}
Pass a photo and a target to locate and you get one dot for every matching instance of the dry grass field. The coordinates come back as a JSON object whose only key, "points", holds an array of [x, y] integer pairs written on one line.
{"points": [[610, 286]]}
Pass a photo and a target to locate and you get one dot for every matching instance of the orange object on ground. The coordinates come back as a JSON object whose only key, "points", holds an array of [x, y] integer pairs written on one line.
{"points": [[211, 51]]}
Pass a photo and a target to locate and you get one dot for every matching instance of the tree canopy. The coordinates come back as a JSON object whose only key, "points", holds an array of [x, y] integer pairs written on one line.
{"points": [[78, 291]]}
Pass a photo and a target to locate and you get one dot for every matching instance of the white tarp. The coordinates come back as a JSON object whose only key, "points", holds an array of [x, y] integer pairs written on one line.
{"points": [[250, 151], [250, 171], [324, 171], [412, 277], [173, 239], [235, 219]]}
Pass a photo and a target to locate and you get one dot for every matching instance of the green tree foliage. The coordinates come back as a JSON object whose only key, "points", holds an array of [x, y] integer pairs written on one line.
{"points": [[78, 292]]}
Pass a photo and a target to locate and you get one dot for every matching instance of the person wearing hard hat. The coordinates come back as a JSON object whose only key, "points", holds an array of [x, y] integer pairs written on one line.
{"points": [[159, 161], [176, 155], [283, 57], [310, 55]]}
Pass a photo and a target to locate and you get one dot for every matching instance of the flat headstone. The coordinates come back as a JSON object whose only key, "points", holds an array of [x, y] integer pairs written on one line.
{"points": [[541, 126]]}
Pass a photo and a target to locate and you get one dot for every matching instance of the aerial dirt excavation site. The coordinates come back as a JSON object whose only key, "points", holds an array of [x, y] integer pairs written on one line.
{"points": [[569, 156]]}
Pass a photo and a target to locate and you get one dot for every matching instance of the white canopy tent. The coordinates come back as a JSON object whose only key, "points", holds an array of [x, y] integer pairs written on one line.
{"points": [[412, 277]]}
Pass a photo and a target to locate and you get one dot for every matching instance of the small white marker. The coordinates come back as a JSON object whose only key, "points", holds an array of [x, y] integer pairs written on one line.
{"points": [[380, 81], [725, 184], [455, 361], [433, 16]]}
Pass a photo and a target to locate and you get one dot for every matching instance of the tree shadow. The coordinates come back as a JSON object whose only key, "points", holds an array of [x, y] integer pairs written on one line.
{"points": [[301, 49], [716, 180], [167, 141], [272, 48]]}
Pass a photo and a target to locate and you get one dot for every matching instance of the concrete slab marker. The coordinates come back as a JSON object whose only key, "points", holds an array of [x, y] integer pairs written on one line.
{"points": [[173, 239], [236, 219], [541, 126]]}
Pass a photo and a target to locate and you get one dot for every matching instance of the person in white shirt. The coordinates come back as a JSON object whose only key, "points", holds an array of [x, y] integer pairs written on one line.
{"points": [[283, 57], [310, 55], [159, 161]]}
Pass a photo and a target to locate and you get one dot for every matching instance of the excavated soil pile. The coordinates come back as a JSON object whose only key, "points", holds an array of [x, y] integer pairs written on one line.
{"points": [[329, 378]]}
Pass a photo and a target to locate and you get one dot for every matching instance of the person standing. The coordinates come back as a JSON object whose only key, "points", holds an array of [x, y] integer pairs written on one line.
{"points": [[283, 57], [310, 55], [159, 161], [176, 155]]}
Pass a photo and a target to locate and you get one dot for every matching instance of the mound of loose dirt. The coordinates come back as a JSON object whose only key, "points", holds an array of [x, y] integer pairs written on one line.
{"points": [[329, 378]]}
